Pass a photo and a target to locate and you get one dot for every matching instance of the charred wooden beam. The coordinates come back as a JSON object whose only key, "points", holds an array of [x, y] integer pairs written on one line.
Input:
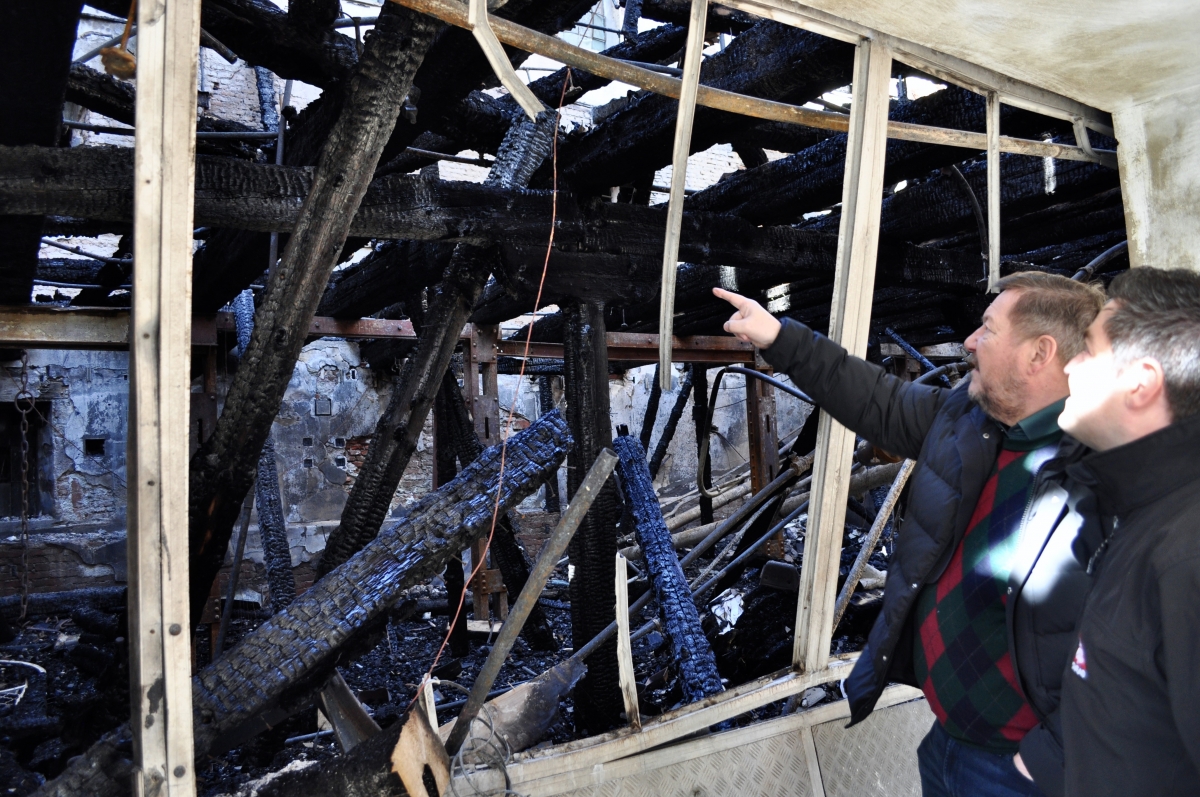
{"points": [[480, 121], [31, 113], [101, 93], [771, 60], [546, 404], [699, 419], [720, 18], [400, 424], [272, 525], [781, 191], [618, 248], [690, 650], [456, 66], [304, 639], [263, 35], [509, 556], [664, 440], [444, 471], [598, 702], [939, 206], [394, 270], [223, 467]]}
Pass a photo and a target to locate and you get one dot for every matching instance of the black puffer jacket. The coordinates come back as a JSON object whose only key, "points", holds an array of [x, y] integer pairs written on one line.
{"points": [[955, 446]]}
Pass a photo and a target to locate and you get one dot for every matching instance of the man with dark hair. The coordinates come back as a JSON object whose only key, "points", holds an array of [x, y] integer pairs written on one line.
{"points": [[983, 589], [1131, 698]]}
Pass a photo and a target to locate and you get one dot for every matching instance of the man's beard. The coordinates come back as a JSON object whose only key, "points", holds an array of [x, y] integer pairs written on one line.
{"points": [[999, 401]]}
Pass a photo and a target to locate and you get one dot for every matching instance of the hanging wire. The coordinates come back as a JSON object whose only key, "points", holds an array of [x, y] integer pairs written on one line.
{"points": [[520, 377]]}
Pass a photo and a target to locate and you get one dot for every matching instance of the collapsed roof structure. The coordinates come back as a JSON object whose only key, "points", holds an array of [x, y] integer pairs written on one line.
{"points": [[880, 221]]}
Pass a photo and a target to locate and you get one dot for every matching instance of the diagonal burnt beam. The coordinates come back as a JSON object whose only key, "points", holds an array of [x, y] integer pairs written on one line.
{"points": [[400, 424], [721, 19], [771, 60], [303, 640], [223, 468]]}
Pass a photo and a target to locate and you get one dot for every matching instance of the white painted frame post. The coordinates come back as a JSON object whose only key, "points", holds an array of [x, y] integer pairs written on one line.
{"points": [[688, 91], [849, 321], [993, 188], [160, 388]]}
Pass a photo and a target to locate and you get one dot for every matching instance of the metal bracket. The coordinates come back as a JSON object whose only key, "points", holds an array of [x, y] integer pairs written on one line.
{"points": [[496, 56]]}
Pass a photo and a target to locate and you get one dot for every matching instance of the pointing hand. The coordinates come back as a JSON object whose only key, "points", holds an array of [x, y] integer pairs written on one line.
{"points": [[751, 323]]}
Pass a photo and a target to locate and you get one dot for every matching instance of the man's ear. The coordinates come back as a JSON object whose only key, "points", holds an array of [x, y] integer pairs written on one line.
{"points": [[1146, 383], [1045, 352]]}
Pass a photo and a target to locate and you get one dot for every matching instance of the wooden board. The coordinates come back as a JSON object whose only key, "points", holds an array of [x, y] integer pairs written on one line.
{"points": [[849, 318], [160, 386]]}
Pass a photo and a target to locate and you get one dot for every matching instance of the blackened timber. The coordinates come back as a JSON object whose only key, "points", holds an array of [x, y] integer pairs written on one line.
{"points": [[546, 404], [304, 639], [400, 424], [223, 467], [480, 121], [272, 526], [771, 61], [456, 65], [598, 702], [104, 94], [664, 440], [508, 555], [690, 651], [31, 113], [444, 471], [720, 18], [620, 243], [393, 270], [699, 418], [650, 417], [939, 207], [781, 191]]}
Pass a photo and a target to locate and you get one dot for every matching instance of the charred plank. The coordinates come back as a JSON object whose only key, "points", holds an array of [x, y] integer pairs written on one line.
{"points": [[598, 702], [681, 622]]}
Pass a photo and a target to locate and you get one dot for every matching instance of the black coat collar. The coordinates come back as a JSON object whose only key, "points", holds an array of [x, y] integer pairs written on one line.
{"points": [[1141, 472]]}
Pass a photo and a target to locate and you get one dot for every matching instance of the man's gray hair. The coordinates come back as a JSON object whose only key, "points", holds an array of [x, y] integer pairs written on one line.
{"points": [[1156, 313], [1050, 304]]}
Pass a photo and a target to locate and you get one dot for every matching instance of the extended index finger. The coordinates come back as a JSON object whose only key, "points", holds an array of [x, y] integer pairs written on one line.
{"points": [[736, 299]]}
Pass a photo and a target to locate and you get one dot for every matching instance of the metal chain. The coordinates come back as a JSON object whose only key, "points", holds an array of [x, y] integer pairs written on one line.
{"points": [[24, 404]]}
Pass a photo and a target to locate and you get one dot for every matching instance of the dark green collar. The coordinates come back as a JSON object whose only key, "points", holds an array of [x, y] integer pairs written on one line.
{"points": [[1039, 429]]}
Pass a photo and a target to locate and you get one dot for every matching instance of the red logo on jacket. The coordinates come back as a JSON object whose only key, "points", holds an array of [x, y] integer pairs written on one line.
{"points": [[1079, 663]]}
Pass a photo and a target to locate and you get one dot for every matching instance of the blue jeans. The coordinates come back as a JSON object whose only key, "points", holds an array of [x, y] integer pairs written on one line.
{"points": [[950, 768]]}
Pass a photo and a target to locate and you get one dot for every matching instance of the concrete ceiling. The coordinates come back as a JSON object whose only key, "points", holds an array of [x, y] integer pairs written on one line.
{"points": [[1106, 53]]}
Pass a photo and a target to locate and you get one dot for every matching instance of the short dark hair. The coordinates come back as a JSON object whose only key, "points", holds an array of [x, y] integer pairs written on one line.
{"points": [[1156, 313], [1053, 305]]}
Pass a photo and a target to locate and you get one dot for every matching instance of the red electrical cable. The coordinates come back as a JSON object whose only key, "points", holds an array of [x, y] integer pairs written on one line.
{"points": [[520, 376]]}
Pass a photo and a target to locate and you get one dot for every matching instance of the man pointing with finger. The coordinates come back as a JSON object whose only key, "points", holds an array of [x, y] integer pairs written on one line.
{"points": [[983, 591]]}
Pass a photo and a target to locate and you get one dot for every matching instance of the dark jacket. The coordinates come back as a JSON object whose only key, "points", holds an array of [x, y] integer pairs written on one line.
{"points": [[1131, 699], [955, 446]]}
